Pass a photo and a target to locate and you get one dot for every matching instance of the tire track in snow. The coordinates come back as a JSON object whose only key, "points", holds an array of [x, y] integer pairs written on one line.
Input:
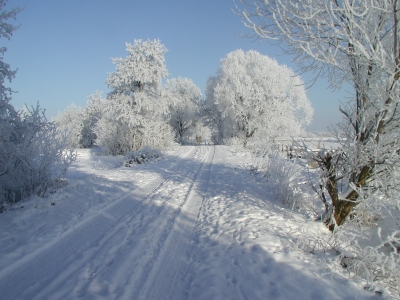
{"points": [[152, 225], [40, 273], [168, 271]]}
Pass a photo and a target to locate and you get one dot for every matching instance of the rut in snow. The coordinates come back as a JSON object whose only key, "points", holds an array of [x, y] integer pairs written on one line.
{"points": [[116, 236]]}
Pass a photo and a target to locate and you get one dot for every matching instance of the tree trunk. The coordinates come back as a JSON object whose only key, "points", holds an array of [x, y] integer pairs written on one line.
{"points": [[342, 207]]}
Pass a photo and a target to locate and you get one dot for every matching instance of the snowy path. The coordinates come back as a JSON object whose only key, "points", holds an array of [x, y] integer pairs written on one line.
{"points": [[192, 226]]}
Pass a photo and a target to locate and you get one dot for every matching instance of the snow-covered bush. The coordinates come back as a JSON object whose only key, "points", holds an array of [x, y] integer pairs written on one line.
{"points": [[377, 265], [213, 117], [259, 160], [69, 124], [286, 179], [370, 254], [234, 141], [278, 171], [158, 135], [184, 99], [280, 174], [121, 129], [144, 155], [77, 123], [91, 115], [33, 157]]}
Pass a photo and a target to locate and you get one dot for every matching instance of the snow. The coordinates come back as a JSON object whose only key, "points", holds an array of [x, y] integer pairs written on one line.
{"points": [[195, 225]]}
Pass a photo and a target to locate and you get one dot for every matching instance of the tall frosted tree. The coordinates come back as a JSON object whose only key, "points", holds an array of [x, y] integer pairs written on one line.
{"points": [[257, 98], [136, 110]]}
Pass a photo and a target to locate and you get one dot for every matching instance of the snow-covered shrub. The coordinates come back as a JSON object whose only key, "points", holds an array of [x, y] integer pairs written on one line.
{"points": [[367, 245], [69, 124], [33, 156], [91, 115], [121, 129], [184, 99], [377, 265], [144, 155], [201, 133], [118, 128], [234, 142], [213, 117], [287, 179], [77, 123], [158, 135], [118, 134], [280, 173], [259, 160]]}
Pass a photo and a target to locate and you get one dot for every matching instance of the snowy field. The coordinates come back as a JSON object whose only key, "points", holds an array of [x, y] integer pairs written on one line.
{"points": [[312, 143], [195, 225]]}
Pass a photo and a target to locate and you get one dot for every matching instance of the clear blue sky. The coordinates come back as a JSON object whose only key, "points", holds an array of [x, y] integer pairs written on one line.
{"points": [[63, 49]]}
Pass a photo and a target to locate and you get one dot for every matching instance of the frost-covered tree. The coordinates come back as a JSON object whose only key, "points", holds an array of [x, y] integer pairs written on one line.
{"points": [[139, 76], [259, 98], [6, 31], [142, 70], [135, 115], [92, 114], [184, 99], [213, 117], [355, 42]]}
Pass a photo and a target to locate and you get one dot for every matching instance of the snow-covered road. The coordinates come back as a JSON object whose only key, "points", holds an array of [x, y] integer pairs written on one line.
{"points": [[195, 225]]}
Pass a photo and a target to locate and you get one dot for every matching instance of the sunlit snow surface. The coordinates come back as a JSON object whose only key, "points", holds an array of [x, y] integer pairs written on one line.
{"points": [[195, 225]]}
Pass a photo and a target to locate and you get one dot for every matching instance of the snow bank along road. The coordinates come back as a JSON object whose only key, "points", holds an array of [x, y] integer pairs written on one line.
{"points": [[195, 225]]}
